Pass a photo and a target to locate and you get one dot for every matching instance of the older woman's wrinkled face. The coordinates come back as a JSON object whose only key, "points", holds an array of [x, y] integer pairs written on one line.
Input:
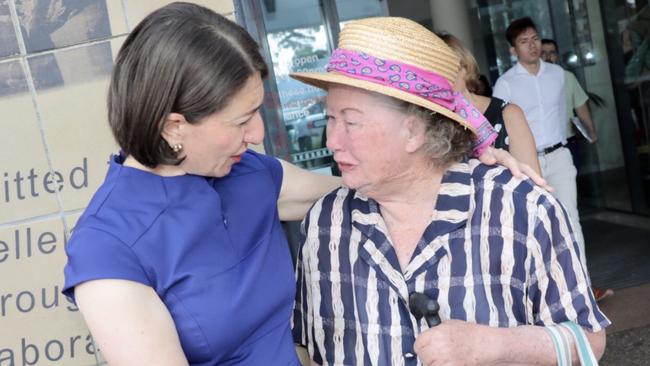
{"points": [[367, 138]]}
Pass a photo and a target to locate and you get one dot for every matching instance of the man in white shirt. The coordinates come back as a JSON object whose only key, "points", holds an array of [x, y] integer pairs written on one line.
{"points": [[538, 89]]}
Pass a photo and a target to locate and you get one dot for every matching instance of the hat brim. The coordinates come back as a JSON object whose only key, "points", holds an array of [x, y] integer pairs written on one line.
{"points": [[322, 80]]}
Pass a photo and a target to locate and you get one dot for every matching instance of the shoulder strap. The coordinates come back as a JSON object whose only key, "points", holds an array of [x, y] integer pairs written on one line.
{"points": [[585, 353]]}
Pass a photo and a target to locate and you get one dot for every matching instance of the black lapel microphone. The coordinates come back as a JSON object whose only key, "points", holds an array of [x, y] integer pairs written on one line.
{"points": [[421, 306]]}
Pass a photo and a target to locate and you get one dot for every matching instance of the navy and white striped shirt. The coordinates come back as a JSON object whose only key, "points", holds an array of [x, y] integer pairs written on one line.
{"points": [[498, 251]]}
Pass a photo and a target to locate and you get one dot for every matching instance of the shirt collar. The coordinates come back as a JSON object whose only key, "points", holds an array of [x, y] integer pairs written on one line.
{"points": [[452, 204], [520, 69], [451, 213]]}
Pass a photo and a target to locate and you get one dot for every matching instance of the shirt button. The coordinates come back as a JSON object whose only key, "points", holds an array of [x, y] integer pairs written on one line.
{"points": [[225, 221], [409, 355]]}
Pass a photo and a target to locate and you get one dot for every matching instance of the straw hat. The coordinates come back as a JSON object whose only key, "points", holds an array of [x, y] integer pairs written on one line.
{"points": [[396, 39]]}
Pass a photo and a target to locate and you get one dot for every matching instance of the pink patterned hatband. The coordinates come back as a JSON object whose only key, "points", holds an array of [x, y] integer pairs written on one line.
{"points": [[416, 81]]}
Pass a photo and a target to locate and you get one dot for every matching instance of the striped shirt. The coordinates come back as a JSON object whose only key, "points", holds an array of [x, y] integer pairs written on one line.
{"points": [[498, 251]]}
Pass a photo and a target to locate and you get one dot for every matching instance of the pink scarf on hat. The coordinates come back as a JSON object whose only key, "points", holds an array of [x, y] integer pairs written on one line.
{"points": [[419, 82]]}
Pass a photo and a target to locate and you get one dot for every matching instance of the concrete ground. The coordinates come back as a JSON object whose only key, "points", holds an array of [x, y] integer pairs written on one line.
{"points": [[618, 257], [628, 338]]}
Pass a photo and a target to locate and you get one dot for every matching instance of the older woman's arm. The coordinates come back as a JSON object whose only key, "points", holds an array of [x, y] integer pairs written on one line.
{"points": [[459, 342], [129, 323]]}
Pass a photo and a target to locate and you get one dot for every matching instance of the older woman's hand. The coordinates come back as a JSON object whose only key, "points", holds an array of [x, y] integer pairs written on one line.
{"points": [[455, 342], [493, 156]]}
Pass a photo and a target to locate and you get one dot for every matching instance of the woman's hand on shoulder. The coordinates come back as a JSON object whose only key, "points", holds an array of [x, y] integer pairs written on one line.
{"points": [[493, 156], [129, 323]]}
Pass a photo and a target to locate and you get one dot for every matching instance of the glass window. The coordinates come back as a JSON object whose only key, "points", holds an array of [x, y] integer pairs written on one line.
{"points": [[356, 9], [298, 34], [500, 15], [632, 40], [297, 39]]}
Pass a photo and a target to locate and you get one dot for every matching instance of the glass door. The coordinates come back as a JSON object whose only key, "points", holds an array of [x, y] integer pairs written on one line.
{"points": [[298, 42], [299, 36], [627, 25]]}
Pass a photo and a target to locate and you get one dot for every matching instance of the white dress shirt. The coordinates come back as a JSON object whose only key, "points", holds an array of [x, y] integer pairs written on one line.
{"points": [[541, 97]]}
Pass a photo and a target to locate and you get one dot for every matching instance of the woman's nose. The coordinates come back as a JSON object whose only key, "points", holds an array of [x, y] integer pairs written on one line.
{"points": [[333, 137], [255, 132]]}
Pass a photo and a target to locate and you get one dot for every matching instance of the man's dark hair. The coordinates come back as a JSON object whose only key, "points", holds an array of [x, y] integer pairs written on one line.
{"points": [[550, 41], [517, 27], [182, 58]]}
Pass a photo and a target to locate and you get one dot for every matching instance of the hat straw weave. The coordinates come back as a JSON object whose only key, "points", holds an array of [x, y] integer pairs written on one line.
{"points": [[396, 39]]}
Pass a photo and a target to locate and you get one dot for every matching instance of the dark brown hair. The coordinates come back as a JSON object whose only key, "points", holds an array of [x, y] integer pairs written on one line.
{"points": [[517, 27], [182, 58], [550, 41]]}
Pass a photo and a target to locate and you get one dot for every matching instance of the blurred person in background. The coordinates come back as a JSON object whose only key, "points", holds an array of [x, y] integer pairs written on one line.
{"points": [[539, 89]]}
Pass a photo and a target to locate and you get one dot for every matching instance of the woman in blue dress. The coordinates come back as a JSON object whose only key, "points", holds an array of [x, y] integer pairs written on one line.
{"points": [[179, 257]]}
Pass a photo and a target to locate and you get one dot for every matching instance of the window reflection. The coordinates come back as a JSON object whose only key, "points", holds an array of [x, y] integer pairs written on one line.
{"points": [[297, 36], [635, 42], [299, 47], [301, 50]]}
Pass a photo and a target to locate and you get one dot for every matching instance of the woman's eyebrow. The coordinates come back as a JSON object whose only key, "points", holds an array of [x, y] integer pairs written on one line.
{"points": [[351, 109]]}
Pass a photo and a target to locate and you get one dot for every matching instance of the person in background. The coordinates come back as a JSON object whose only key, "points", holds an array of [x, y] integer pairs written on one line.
{"points": [[538, 88], [576, 101], [180, 257], [417, 216], [508, 119]]}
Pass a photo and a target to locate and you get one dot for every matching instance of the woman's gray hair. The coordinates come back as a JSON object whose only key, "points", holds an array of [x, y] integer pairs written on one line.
{"points": [[447, 141]]}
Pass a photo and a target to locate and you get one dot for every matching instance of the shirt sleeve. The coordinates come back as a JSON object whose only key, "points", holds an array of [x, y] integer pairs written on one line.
{"points": [[501, 90], [578, 95], [559, 289], [94, 254], [275, 168]]}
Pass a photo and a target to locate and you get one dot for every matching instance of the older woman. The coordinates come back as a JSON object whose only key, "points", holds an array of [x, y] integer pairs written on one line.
{"points": [[417, 215]]}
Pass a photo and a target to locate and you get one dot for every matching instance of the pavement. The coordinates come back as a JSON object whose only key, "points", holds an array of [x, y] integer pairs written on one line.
{"points": [[628, 338], [630, 347], [618, 257]]}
